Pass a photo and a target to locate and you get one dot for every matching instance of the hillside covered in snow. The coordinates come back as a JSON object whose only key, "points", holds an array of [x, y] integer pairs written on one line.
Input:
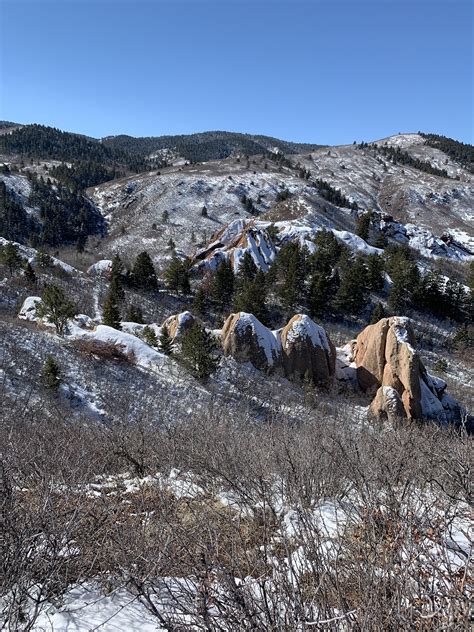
{"points": [[236, 383]]}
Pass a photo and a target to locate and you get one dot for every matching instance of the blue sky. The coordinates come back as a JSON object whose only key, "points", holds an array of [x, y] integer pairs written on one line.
{"points": [[322, 71]]}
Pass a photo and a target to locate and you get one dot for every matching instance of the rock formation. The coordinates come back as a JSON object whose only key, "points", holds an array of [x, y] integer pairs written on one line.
{"points": [[307, 350], [247, 340], [179, 323], [302, 349], [232, 242], [386, 360]]}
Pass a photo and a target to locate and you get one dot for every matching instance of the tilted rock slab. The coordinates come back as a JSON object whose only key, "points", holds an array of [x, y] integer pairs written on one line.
{"points": [[387, 360]]}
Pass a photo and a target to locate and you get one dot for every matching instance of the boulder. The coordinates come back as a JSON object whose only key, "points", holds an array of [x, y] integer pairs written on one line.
{"points": [[247, 340], [387, 403], [307, 350], [386, 359], [178, 324], [102, 268], [28, 309]]}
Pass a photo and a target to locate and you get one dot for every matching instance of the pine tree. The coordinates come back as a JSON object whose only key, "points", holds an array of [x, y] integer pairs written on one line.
{"points": [[143, 272], [177, 275], [321, 292], [198, 352], [135, 314], [204, 211], [363, 225], [352, 293], [149, 336], [223, 284], [165, 216], [43, 260], [405, 276], [377, 314], [56, 308], [166, 341], [111, 312], [290, 272], [247, 270], [199, 302], [29, 274], [51, 374], [250, 297], [9, 256], [375, 273]]}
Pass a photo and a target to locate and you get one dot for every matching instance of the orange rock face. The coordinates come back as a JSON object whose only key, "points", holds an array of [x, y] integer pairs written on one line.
{"points": [[386, 358], [179, 323]]}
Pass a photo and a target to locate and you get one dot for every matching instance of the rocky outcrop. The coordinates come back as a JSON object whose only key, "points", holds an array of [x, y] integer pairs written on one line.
{"points": [[247, 340], [389, 365], [28, 309], [307, 351], [178, 324], [300, 350], [387, 403], [102, 268], [232, 242]]}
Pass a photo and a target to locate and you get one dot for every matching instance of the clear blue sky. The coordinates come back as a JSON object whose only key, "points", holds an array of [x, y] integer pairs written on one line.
{"points": [[323, 71]]}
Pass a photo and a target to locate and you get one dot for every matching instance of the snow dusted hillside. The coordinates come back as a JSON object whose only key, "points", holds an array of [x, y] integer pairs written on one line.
{"points": [[431, 202], [432, 213]]}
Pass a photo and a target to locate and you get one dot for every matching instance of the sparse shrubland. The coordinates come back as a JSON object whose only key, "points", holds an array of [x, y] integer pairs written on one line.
{"points": [[232, 525]]}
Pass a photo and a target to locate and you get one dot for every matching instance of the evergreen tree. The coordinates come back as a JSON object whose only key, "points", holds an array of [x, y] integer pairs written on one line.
{"points": [[135, 314], [198, 352], [143, 272], [29, 274], [9, 256], [247, 270], [204, 211], [56, 308], [375, 273], [250, 297], [165, 216], [352, 293], [43, 260], [149, 336], [223, 284], [51, 374], [111, 313], [377, 314], [166, 341], [321, 292], [290, 271], [177, 275], [405, 276], [199, 302], [363, 225]]}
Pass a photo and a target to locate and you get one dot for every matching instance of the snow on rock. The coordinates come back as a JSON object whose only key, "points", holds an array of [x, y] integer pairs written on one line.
{"points": [[307, 350], [100, 268], [427, 244], [236, 239], [386, 358], [302, 348], [28, 309], [131, 346], [246, 339], [178, 324], [356, 243]]}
